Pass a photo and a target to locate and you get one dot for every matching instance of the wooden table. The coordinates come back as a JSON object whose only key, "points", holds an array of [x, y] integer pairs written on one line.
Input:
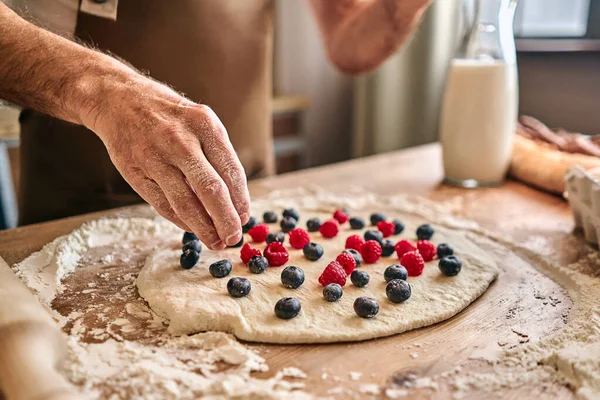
{"points": [[512, 208]]}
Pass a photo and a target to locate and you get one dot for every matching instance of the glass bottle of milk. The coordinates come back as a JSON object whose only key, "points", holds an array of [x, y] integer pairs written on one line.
{"points": [[480, 105]]}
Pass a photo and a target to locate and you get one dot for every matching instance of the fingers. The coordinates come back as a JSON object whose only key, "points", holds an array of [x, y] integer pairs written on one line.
{"points": [[220, 154], [153, 195], [187, 206], [213, 195]]}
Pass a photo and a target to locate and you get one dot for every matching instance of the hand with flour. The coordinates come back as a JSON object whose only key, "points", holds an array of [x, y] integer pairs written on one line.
{"points": [[175, 153]]}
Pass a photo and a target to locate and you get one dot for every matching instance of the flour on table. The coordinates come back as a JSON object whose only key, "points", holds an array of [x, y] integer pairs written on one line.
{"points": [[160, 370]]}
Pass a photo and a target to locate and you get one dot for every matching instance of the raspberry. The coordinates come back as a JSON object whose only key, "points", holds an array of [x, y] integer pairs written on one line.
{"points": [[276, 254], [299, 238], [426, 249], [404, 246], [347, 262], [386, 228], [354, 242], [248, 252], [329, 229], [259, 233], [340, 216], [333, 273], [413, 262], [371, 251]]}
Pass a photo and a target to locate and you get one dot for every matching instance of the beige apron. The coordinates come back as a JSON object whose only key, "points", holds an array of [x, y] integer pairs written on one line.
{"points": [[217, 52]]}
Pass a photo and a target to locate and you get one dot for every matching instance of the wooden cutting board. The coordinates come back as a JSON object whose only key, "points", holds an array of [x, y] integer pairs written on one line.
{"points": [[514, 311]]}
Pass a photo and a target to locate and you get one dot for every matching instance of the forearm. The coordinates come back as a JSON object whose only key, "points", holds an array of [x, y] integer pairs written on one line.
{"points": [[359, 35], [51, 74]]}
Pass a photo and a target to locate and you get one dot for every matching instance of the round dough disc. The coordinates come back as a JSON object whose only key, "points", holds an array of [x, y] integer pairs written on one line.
{"points": [[194, 301]]}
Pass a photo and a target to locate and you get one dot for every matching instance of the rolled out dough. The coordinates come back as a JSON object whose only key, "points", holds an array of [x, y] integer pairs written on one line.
{"points": [[193, 301]]}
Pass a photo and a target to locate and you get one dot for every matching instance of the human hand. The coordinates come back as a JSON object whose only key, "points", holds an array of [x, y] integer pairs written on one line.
{"points": [[177, 156]]}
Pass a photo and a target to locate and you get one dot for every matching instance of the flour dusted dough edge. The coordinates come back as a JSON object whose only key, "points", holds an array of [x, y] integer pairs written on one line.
{"points": [[194, 301]]}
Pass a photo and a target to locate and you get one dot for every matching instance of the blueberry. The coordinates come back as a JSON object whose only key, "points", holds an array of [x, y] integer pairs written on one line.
{"points": [[189, 258], [249, 225], [292, 213], [238, 244], [275, 237], [192, 245], [357, 256], [220, 269], [313, 224], [424, 232], [357, 223], [287, 224], [398, 227], [332, 292], [292, 277], [258, 264], [313, 251], [287, 308], [395, 271], [188, 237], [443, 250], [359, 278], [377, 217], [387, 248], [398, 291], [238, 287], [270, 217], [450, 265], [366, 307], [374, 235]]}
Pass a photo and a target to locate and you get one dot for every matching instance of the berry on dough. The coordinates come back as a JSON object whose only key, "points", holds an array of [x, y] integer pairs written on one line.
{"points": [[387, 248], [450, 265], [333, 273], [258, 264], [313, 224], [377, 217], [425, 232], [287, 308], [270, 217], [340, 216], [374, 235], [298, 238], [398, 291], [259, 233], [313, 251], [354, 242], [371, 251], [404, 246], [357, 223], [426, 249], [292, 277], [347, 262], [360, 278], [366, 307], [249, 225], [220, 269], [276, 254], [332, 292], [238, 287], [247, 252], [329, 229], [413, 262], [356, 254], [386, 228]]}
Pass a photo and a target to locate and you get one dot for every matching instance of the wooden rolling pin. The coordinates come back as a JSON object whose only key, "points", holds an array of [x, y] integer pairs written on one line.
{"points": [[31, 346]]}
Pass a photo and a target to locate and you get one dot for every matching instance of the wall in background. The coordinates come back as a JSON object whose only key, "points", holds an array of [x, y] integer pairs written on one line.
{"points": [[301, 67], [561, 89]]}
